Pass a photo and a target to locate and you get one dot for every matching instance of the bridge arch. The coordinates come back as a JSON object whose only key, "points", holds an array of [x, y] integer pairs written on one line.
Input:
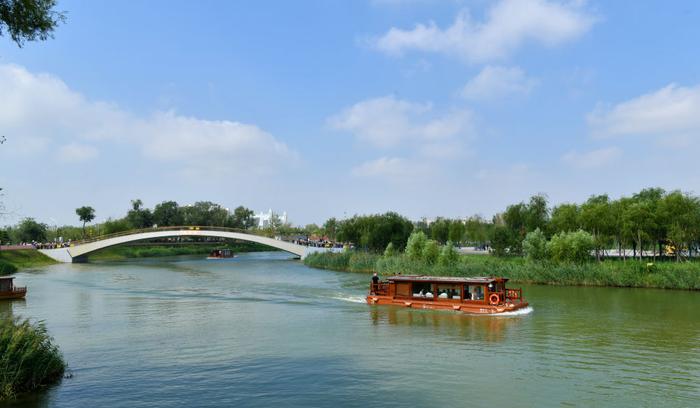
{"points": [[83, 249]]}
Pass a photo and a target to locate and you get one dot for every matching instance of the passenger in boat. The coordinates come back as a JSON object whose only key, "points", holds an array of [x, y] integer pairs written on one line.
{"points": [[375, 282]]}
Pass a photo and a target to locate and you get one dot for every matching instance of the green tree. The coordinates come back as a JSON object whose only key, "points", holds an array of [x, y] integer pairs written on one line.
{"points": [[29, 20], [537, 213], [431, 252], [330, 228], [168, 214], [638, 221], [565, 218], [242, 218], [456, 234], [501, 241], [86, 215], [440, 230], [139, 217], [415, 245], [535, 245], [596, 218], [29, 230], [682, 214]]}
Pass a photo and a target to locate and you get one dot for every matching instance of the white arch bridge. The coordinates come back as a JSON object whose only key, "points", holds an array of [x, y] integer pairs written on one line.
{"points": [[80, 250]]}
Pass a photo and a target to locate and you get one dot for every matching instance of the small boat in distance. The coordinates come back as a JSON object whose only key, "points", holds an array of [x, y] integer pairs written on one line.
{"points": [[9, 291], [478, 295], [220, 254]]}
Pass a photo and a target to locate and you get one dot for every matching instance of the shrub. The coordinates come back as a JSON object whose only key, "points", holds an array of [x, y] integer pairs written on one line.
{"points": [[535, 245], [390, 250], [415, 245], [448, 255], [7, 268], [571, 246], [28, 358], [431, 252]]}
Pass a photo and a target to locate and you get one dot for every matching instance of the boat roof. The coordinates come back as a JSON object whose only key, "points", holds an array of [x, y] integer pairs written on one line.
{"points": [[6, 277], [450, 279]]}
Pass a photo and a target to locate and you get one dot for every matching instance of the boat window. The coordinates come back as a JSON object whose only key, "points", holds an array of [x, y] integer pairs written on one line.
{"points": [[473, 292], [423, 289], [449, 291]]}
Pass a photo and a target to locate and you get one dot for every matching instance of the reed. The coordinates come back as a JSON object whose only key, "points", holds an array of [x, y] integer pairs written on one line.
{"points": [[28, 358], [632, 273]]}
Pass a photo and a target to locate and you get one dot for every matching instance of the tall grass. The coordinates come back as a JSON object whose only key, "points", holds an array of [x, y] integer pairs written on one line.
{"points": [[7, 268], [28, 358], [665, 275]]}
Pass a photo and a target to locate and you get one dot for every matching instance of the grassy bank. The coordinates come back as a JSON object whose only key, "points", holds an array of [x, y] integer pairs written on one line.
{"points": [[11, 260], [28, 358], [665, 275], [147, 251]]}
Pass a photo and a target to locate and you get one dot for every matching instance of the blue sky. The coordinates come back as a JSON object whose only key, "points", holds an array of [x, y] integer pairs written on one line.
{"points": [[331, 108]]}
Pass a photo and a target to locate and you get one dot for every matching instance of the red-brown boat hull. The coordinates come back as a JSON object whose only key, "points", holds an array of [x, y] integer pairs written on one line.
{"points": [[471, 308], [13, 295]]}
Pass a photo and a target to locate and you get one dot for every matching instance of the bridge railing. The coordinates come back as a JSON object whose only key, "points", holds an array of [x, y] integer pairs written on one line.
{"points": [[159, 229]]}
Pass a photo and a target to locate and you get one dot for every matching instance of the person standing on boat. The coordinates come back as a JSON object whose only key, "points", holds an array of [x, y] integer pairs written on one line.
{"points": [[375, 282]]}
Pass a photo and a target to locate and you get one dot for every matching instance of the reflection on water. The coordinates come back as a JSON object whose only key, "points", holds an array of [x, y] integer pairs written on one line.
{"points": [[446, 323], [263, 330]]}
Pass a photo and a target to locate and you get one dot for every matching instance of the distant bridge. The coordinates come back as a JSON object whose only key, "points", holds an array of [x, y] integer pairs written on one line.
{"points": [[79, 250]]}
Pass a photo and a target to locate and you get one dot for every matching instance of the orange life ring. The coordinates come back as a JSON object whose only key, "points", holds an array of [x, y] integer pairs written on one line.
{"points": [[494, 298]]}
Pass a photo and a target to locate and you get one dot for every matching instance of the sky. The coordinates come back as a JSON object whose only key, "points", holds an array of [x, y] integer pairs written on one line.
{"points": [[329, 108]]}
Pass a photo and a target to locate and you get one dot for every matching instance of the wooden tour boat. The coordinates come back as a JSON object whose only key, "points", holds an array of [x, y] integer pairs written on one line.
{"points": [[470, 295], [220, 254], [9, 291]]}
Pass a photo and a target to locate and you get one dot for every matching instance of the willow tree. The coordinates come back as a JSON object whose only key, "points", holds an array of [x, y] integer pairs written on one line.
{"points": [[29, 20]]}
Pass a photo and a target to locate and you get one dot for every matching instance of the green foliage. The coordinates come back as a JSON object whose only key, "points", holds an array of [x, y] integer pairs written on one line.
{"points": [[113, 226], [6, 268], [351, 261], [390, 250], [415, 245], [25, 258], [168, 214], [86, 214], [139, 217], [28, 358], [571, 246], [448, 255], [242, 218], [374, 232], [565, 218], [29, 20], [501, 242], [535, 245], [431, 252], [29, 230]]}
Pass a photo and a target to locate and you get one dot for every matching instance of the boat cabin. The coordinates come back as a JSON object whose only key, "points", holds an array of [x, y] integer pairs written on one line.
{"points": [[220, 253], [476, 294], [8, 290]]}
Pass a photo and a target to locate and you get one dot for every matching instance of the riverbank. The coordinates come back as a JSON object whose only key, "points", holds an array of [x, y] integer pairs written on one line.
{"points": [[614, 273], [13, 259], [119, 253]]}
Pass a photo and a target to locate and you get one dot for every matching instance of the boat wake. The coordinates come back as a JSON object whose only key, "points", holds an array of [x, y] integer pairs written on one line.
{"points": [[353, 299], [519, 312]]}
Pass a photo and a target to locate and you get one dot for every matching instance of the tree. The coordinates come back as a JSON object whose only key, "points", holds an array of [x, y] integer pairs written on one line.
{"points": [[168, 214], [242, 218], [431, 252], [638, 221], [86, 215], [29, 20], [565, 218], [456, 234], [31, 231], [414, 246], [440, 230], [535, 245], [596, 218], [330, 228], [139, 217], [537, 213], [682, 213], [390, 250]]}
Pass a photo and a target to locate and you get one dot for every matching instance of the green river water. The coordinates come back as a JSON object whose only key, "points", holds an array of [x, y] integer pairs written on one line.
{"points": [[263, 330]]}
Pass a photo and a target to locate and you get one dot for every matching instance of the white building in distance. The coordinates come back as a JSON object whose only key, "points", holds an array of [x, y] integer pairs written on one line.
{"points": [[263, 219]]}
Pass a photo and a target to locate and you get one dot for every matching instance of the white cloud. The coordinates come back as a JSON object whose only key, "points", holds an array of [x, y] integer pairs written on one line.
{"points": [[39, 113], [670, 112], [495, 82], [388, 122], [508, 25], [594, 158], [74, 152]]}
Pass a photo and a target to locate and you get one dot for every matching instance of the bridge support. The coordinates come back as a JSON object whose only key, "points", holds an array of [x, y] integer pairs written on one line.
{"points": [[58, 254]]}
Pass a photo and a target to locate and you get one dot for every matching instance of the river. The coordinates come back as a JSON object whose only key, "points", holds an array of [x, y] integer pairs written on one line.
{"points": [[262, 330]]}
